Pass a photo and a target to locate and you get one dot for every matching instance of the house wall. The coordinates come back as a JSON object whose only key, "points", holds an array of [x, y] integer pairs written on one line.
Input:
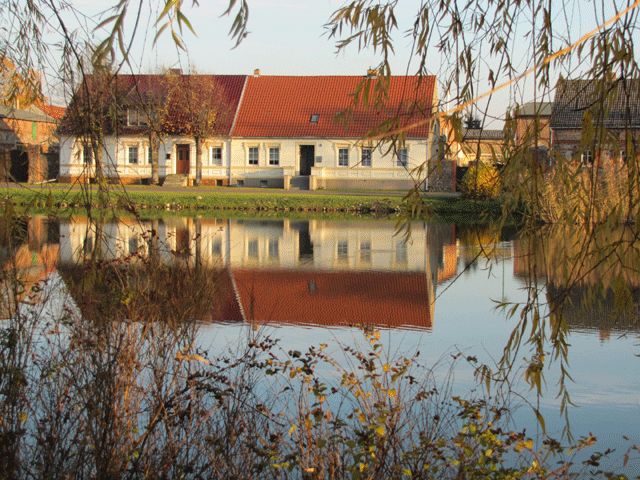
{"points": [[116, 158], [384, 173], [526, 130]]}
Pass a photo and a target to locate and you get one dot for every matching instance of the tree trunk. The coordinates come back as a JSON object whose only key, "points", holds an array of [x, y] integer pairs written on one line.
{"points": [[154, 145], [198, 180]]}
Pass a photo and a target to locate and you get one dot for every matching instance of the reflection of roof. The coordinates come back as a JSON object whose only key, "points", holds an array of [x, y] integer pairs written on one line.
{"points": [[386, 299], [575, 97], [481, 134], [286, 106]]}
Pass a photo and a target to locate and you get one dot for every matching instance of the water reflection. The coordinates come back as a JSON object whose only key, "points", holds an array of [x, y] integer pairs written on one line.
{"points": [[315, 272], [329, 273]]}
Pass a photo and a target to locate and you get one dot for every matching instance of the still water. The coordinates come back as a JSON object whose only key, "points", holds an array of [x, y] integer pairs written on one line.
{"points": [[316, 281]]}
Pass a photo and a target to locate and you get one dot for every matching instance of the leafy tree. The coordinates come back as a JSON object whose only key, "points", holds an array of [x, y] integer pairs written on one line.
{"points": [[196, 107]]}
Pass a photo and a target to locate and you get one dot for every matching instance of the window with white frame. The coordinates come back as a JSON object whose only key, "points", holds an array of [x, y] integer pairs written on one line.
{"points": [[586, 157], [87, 154], [402, 157], [253, 154], [367, 153], [216, 155], [132, 154], [274, 248], [274, 155], [343, 157]]}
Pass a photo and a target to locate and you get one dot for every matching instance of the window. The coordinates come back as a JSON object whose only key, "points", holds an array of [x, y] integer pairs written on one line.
{"points": [[587, 157], [253, 156], [133, 245], [366, 156], [135, 117], [365, 251], [343, 157], [274, 155], [216, 155], [216, 247], [133, 155], [274, 248], [343, 249], [402, 157], [252, 248], [87, 154], [314, 118], [401, 251]]}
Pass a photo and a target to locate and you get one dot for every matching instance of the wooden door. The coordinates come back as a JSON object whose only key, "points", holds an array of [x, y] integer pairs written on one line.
{"points": [[182, 162]]}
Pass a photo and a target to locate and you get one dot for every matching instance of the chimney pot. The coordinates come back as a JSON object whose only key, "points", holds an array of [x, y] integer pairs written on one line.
{"points": [[256, 72]]}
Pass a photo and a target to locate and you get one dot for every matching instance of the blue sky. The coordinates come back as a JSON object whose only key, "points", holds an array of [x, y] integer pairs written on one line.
{"points": [[289, 37]]}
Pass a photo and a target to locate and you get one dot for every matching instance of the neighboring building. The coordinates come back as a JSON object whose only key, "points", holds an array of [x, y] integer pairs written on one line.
{"points": [[578, 105], [28, 144], [532, 125], [282, 131], [478, 144]]}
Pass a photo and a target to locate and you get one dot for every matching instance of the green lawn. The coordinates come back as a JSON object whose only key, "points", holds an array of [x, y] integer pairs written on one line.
{"points": [[58, 198]]}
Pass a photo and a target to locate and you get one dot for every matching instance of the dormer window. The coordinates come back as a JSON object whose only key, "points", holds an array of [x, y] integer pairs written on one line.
{"points": [[314, 118], [136, 118]]}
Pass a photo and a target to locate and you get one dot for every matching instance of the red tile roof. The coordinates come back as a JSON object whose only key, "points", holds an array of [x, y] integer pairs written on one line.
{"points": [[230, 87], [53, 110], [282, 106], [133, 89], [387, 299]]}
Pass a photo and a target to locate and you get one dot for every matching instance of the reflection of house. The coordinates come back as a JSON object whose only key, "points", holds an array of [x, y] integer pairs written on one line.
{"points": [[359, 263], [583, 106], [602, 294], [282, 131], [334, 298]]}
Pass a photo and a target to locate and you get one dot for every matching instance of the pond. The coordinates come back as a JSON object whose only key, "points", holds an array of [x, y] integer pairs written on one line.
{"points": [[445, 291]]}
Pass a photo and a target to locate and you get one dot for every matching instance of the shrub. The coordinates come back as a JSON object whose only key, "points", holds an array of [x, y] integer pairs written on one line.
{"points": [[481, 181]]}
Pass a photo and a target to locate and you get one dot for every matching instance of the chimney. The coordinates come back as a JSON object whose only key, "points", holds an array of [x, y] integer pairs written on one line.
{"points": [[256, 72], [175, 71], [372, 72]]}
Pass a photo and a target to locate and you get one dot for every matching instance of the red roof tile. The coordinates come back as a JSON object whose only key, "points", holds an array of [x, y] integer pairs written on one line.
{"points": [[282, 106], [154, 85], [387, 299], [53, 110]]}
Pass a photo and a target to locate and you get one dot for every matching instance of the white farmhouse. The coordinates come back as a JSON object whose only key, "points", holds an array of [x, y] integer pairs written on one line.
{"points": [[308, 132]]}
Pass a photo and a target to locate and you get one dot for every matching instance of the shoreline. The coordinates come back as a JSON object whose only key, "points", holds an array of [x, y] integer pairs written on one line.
{"points": [[59, 198]]}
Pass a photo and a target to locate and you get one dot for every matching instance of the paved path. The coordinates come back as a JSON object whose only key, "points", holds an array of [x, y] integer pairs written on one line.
{"points": [[231, 190]]}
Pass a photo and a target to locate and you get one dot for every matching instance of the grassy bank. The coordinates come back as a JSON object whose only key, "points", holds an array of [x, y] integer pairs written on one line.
{"points": [[236, 200]]}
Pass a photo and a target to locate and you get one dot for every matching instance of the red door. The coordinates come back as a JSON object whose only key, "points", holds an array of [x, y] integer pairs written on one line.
{"points": [[182, 162]]}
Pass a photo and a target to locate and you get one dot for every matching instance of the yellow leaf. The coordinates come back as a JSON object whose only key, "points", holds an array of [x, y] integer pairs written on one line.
{"points": [[362, 467], [392, 393], [380, 430], [386, 367], [292, 429], [309, 469], [23, 417]]}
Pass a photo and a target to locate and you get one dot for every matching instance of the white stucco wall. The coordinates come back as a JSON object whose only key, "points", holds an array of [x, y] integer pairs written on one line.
{"points": [[235, 162]]}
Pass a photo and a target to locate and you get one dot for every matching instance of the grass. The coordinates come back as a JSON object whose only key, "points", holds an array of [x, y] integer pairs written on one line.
{"points": [[59, 199]]}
